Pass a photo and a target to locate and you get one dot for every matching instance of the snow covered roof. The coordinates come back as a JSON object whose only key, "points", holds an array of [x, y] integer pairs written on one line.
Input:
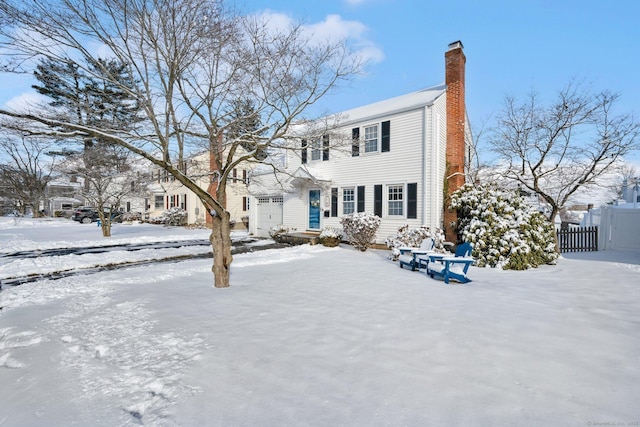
{"points": [[407, 102], [306, 174]]}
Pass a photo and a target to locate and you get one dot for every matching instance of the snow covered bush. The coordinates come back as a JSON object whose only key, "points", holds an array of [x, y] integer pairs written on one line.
{"points": [[360, 228], [278, 230], [131, 216], [505, 232], [412, 238], [330, 236], [172, 216]]}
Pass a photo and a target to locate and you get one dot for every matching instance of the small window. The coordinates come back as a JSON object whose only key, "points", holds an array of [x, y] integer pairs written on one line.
{"points": [[355, 142], [316, 149], [158, 202], [303, 153], [395, 200], [348, 200], [371, 139]]}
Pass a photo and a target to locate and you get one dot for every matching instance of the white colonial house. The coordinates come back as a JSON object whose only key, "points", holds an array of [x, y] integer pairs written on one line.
{"points": [[165, 192], [390, 158]]}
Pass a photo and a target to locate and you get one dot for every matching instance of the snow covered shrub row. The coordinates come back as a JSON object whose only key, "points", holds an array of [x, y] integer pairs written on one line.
{"points": [[277, 230], [172, 216], [131, 216], [505, 232], [331, 232], [330, 236], [360, 228], [412, 238]]}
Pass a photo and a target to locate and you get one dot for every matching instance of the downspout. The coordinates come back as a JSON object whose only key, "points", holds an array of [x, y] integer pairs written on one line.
{"points": [[424, 167], [435, 153]]}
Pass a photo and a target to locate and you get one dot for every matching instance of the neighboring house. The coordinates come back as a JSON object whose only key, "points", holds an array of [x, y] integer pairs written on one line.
{"points": [[631, 191], [165, 192], [63, 195], [390, 158]]}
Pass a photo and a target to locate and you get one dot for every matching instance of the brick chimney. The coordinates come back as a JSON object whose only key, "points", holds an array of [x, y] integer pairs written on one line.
{"points": [[456, 118]]}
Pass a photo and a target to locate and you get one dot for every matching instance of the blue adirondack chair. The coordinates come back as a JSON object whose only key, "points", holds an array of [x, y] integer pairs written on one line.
{"points": [[451, 267], [410, 256]]}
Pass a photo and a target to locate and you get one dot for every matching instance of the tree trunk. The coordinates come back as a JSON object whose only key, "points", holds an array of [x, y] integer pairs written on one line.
{"points": [[106, 228], [221, 245]]}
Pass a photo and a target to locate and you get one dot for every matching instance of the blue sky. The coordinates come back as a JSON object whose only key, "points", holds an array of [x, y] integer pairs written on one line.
{"points": [[511, 47]]}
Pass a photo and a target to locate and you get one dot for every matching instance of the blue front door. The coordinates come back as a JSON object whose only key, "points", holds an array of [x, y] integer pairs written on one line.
{"points": [[314, 209]]}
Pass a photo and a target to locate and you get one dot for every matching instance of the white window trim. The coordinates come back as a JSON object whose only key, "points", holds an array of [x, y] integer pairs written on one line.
{"points": [[355, 197], [386, 199], [315, 148], [364, 138], [155, 201]]}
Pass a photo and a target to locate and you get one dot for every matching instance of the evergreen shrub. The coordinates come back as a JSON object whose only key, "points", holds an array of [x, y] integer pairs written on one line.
{"points": [[504, 230]]}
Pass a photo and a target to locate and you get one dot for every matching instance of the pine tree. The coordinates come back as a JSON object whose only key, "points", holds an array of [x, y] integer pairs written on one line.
{"points": [[100, 95]]}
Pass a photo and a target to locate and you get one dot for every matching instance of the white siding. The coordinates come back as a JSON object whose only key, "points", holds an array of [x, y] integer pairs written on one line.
{"points": [[408, 161], [417, 155]]}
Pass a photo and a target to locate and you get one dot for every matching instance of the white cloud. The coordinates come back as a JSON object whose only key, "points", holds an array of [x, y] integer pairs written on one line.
{"points": [[25, 102], [333, 28]]}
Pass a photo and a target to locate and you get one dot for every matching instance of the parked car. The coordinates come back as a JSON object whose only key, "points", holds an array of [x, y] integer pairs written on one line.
{"points": [[87, 215]]}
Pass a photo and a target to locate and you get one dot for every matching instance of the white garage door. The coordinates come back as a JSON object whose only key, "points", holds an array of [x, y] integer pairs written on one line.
{"points": [[269, 214]]}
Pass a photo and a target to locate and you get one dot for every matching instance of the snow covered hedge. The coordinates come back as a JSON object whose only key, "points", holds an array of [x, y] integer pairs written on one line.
{"points": [[278, 230], [172, 216], [360, 228], [330, 236], [504, 230]]}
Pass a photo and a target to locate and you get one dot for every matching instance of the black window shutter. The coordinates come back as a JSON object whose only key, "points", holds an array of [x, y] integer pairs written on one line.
{"points": [[325, 147], [377, 200], [334, 202], [412, 200], [304, 151], [386, 136], [355, 142], [360, 198]]}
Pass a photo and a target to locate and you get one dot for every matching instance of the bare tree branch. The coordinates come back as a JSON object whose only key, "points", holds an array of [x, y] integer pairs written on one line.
{"points": [[192, 60], [558, 149]]}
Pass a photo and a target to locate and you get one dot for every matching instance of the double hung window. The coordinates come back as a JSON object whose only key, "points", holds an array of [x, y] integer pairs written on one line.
{"points": [[316, 149], [395, 200], [348, 200], [371, 139]]}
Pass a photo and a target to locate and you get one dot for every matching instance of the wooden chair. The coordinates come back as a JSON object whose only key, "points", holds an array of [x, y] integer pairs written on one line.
{"points": [[451, 267], [409, 256]]}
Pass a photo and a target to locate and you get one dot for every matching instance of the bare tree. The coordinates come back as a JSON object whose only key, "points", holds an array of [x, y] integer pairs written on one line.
{"points": [[193, 60], [110, 174], [475, 168], [25, 172], [557, 149]]}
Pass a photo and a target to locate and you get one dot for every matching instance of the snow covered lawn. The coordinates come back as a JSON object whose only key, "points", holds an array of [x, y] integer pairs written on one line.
{"points": [[317, 336]]}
